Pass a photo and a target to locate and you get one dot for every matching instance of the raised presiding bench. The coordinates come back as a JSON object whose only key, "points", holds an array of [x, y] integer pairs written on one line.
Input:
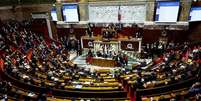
{"points": [[103, 62]]}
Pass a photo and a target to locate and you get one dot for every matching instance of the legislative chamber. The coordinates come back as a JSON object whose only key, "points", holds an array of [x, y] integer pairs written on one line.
{"points": [[100, 50]]}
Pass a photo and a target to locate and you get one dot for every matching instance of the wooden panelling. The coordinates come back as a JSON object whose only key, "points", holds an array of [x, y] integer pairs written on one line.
{"points": [[149, 36]]}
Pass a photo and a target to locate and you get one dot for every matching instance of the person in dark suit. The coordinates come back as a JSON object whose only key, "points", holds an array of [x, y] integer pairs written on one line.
{"points": [[89, 32]]}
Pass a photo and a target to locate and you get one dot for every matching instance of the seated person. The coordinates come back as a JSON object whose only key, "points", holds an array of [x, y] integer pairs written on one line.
{"points": [[105, 55], [99, 54], [90, 54], [196, 88], [107, 33], [104, 32], [89, 32]]}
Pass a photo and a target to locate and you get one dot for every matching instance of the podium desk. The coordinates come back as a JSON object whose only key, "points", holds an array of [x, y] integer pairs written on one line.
{"points": [[103, 62]]}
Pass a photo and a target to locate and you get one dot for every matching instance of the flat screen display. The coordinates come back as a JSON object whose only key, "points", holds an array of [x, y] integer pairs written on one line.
{"points": [[167, 11], [54, 14], [70, 12], [195, 14]]}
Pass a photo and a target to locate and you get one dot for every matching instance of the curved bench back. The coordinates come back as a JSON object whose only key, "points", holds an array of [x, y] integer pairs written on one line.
{"points": [[158, 90], [67, 93]]}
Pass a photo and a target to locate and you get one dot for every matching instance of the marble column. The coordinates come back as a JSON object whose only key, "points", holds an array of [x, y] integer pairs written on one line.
{"points": [[83, 10], [150, 10], [184, 10], [59, 14]]}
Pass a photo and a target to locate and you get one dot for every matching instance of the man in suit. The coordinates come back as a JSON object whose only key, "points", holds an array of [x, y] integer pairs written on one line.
{"points": [[89, 32]]}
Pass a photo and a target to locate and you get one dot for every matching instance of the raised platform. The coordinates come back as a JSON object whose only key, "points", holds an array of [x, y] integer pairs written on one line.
{"points": [[97, 43], [81, 62]]}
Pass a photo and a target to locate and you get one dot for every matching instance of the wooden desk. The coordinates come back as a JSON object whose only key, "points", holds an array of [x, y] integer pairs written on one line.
{"points": [[99, 44], [94, 80], [92, 88], [103, 62]]}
